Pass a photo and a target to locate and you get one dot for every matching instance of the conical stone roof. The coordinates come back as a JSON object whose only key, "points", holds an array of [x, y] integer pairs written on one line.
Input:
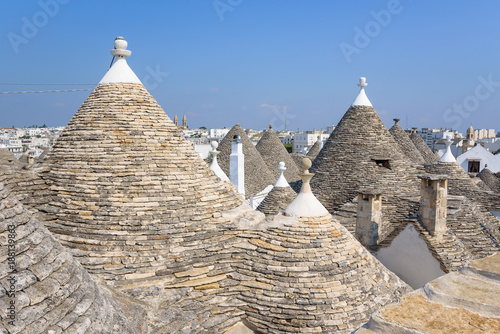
{"points": [[257, 174], [297, 158], [273, 152], [280, 196], [422, 147], [7, 159], [127, 188], [405, 144], [313, 152], [360, 153], [52, 293], [487, 176], [307, 274]]}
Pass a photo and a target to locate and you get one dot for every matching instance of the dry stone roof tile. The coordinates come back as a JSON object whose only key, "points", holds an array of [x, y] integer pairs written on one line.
{"points": [[361, 152], [314, 150], [311, 275], [277, 200], [125, 182], [422, 147], [405, 144], [490, 179], [273, 152], [51, 291]]}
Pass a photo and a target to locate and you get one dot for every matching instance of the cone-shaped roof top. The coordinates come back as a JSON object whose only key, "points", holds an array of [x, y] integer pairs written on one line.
{"points": [[405, 144], [257, 174], [124, 180], [9, 159], [297, 158], [280, 196], [361, 152], [422, 147], [491, 180], [314, 150], [273, 152], [314, 266], [50, 284]]}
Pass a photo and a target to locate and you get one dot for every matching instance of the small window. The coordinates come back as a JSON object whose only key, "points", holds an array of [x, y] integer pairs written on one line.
{"points": [[474, 166], [383, 163]]}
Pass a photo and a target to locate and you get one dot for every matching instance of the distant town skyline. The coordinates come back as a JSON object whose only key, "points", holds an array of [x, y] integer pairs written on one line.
{"points": [[254, 63]]}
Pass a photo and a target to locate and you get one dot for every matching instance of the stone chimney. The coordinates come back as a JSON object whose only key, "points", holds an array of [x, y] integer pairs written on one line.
{"points": [[31, 158], [237, 165], [433, 202], [369, 217]]}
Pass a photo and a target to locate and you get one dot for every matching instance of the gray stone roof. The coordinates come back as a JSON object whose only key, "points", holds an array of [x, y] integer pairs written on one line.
{"points": [[405, 144], [273, 152], [314, 150], [460, 184], [490, 179], [53, 293], [422, 147], [310, 275], [257, 174], [124, 181], [277, 200], [361, 152], [297, 159]]}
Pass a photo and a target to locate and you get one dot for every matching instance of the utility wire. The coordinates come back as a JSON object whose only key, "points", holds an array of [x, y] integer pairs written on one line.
{"points": [[48, 91]]}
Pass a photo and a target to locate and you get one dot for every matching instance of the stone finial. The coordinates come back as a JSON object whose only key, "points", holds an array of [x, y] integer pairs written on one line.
{"points": [[270, 126], [362, 82], [448, 156], [120, 49], [282, 182], [306, 204], [362, 99], [396, 120], [120, 72], [214, 166], [305, 164]]}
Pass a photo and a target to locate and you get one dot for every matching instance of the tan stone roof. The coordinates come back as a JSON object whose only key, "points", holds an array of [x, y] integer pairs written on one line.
{"points": [[466, 302], [405, 144], [53, 293], [7, 159], [257, 174], [125, 181], [422, 147], [309, 275], [273, 152], [314, 150], [359, 153]]}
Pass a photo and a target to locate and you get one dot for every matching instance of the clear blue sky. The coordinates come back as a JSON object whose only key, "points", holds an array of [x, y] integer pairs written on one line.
{"points": [[232, 63]]}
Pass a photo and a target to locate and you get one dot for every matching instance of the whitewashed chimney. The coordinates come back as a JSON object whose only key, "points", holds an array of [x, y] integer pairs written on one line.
{"points": [[237, 165]]}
